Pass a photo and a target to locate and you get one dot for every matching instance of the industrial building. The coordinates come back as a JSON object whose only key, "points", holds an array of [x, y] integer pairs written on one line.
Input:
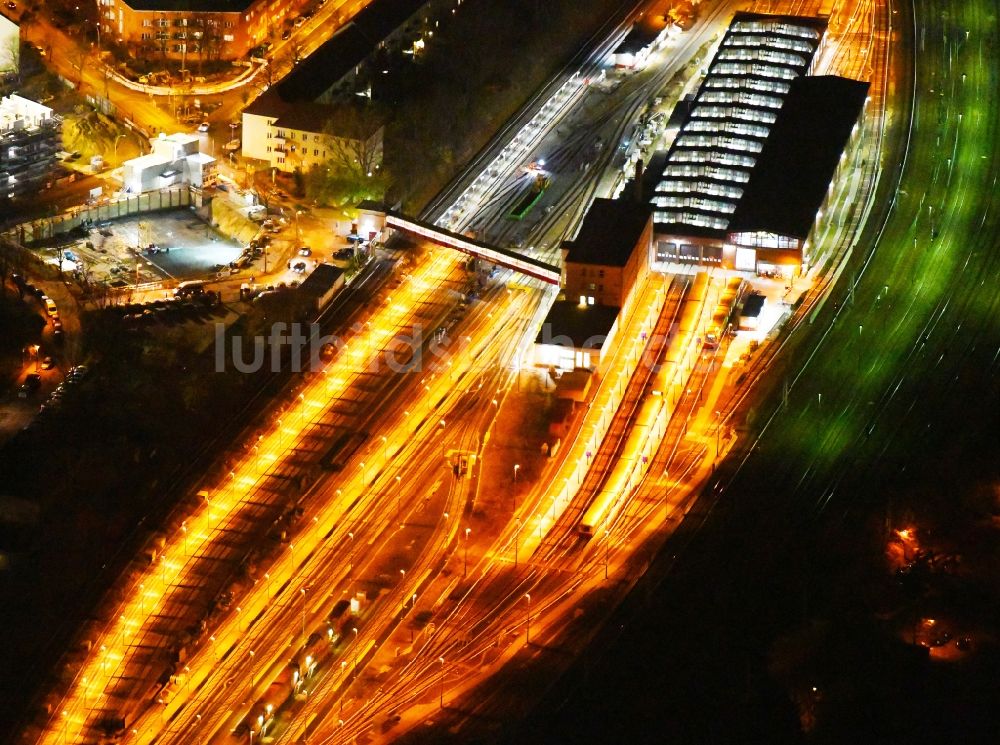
{"points": [[30, 137], [604, 264], [175, 159], [759, 147], [321, 285], [647, 35]]}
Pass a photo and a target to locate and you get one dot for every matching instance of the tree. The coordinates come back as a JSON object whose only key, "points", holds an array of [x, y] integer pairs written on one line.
{"points": [[78, 59], [352, 172], [10, 57]]}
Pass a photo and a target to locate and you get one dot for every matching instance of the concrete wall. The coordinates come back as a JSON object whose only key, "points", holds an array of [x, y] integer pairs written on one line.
{"points": [[132, 205]]}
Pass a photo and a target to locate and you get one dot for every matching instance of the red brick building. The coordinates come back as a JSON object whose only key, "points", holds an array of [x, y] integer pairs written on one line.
{"points": [[194, 29]]}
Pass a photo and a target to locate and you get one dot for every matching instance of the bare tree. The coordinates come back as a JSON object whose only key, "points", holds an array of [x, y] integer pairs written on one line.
{"points": [[352, 171], [10, 57], [78, 59]]}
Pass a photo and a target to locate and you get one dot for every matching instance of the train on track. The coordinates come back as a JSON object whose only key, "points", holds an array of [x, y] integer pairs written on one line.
{"points": [[651, 412]]}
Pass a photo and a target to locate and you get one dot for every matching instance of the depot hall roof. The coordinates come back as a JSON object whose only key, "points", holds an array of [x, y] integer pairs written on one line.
{"points": [[715, 153], [797, 164]]}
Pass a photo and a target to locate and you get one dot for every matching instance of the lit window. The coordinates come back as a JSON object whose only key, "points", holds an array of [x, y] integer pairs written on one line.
{"points": [[590, 300]]}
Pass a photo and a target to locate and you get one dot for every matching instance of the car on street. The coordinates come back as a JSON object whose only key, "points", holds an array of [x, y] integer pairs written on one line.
{"points": [[286, 34], [32, 382], [203, 127], [344, 253], [299, 267], [305, 251], [47, 363], [11, 6], [231, 146]]}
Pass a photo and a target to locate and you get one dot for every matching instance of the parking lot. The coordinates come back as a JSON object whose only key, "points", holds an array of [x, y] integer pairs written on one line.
{"points": [[149, 248]]}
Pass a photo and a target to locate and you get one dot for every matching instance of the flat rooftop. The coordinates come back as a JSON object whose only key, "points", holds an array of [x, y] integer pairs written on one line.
{"points": [[321, 279], [354, 119], [794, 170], [346, 49], [609, 233], [576, 326]]}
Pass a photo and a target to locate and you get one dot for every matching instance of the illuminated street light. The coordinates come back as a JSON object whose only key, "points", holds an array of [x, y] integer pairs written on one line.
{"points": [[527, 619], [441, 681], [350, 571], [250, 692], [517, 467], [355, 632], [465, 564]]}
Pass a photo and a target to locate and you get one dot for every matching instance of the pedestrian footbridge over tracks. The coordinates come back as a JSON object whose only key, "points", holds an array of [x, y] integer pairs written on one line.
{"points": [[379, 218]]}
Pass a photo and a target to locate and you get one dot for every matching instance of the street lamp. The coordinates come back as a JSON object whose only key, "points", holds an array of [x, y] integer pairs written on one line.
{"points": [[465, 564], [351, 568], [413, 603], [527, 620], [355, 632], [117, 138], [250, 692], [517, 467], [297, 213], [441, 682]]}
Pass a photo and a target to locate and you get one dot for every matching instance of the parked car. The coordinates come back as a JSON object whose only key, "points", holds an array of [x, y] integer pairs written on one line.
{"points": [[305, 251], [47, 363], [32, 382], [286, 34], [299, 266], [344, 253], [203, 127], [50, 306]]}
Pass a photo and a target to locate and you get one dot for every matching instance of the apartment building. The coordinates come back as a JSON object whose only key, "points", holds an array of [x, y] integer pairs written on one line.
{"points": [[212, 29], [30, 137]]}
